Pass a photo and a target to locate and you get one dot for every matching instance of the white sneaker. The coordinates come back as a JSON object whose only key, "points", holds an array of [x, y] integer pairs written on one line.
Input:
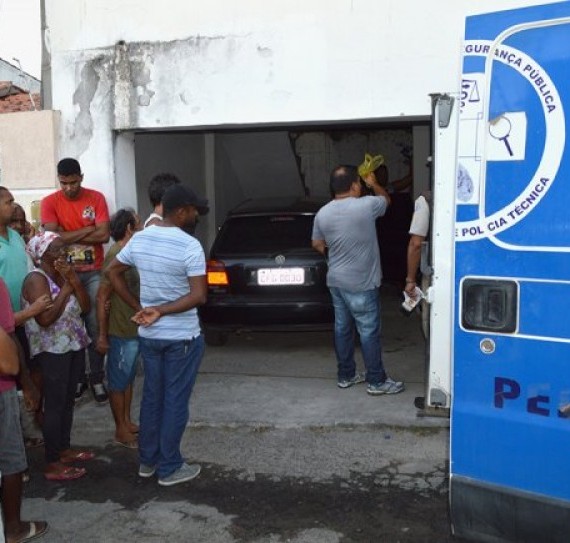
{"points": [[146, 471], [358, 378], [389, 386], [186, 472]]}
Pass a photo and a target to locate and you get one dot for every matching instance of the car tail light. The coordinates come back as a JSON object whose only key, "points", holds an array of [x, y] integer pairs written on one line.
{"points": [[217, 275]]}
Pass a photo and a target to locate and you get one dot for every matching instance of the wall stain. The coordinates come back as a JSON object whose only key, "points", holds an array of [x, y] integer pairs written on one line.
{"points": [[81, 131], [264, 52], [142, 74], [141, 79]]}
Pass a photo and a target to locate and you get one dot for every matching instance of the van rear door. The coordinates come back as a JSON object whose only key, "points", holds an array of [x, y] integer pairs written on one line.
{"points": [[510, 418]]}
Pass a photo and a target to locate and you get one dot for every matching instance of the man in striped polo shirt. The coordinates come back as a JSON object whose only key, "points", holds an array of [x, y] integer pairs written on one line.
{"points": [[172, 270]]}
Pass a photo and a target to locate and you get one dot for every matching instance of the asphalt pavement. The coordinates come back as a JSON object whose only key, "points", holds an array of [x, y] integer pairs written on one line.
{"points": [[274, 436]]}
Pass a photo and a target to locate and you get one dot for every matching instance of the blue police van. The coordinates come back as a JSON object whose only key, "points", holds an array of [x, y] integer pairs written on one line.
{"points": [[509, 277]]}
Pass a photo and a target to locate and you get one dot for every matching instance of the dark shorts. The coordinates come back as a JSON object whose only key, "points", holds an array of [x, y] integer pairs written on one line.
{"points": [[12, 451]]}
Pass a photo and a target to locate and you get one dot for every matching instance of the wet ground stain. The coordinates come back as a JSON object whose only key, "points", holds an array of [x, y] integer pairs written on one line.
{"points": [[359, 508]]}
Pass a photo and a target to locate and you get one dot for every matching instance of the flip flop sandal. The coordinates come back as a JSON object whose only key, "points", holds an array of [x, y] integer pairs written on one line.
{"points": [[82, 455], [36, 529], [66, 474]]}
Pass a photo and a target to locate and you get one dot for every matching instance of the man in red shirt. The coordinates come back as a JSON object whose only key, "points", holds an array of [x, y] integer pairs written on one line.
{"points": [[80, 216], [12, 453]]}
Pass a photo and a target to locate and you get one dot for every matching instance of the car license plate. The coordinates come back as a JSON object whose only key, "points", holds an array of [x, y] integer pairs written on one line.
{"points": [[280, 276]]}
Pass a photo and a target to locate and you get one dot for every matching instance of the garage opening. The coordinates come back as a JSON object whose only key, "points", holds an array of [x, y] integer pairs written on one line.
{"points": [[230, 166]]}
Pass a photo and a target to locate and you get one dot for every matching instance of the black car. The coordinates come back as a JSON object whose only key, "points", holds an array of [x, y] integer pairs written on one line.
{"points": [[263, 273]]}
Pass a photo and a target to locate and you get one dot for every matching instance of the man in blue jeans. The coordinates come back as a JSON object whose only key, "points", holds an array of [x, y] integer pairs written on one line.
{"points": [[345, 229], [172, 270], [81, 218]]}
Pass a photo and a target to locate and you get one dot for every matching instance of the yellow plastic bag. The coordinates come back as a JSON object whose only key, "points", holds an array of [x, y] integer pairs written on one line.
{"points": [[370, 164]]}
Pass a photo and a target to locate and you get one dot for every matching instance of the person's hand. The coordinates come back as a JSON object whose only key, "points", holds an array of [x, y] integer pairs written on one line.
{"points": [[108, 306], [41, 304], [31, 396], [370, 179], [64, 268], [410, 289], [147, 316], [29, 230], [102, 344]]}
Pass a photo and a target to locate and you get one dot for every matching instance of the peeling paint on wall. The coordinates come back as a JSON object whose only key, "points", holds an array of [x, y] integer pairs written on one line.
{"points": [[141, 75], [80, 129], [166, 76], [161, 77]]}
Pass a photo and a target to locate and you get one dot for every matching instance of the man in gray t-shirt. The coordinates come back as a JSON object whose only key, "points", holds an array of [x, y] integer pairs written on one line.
{"points": [[346, 228]]}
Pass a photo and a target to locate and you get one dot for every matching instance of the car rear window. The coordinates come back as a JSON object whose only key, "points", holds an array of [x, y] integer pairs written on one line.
{"points": [[265, 233]]}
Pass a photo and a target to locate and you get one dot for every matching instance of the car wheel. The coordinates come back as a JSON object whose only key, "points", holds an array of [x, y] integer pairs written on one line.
{"points": [[215, 338]]}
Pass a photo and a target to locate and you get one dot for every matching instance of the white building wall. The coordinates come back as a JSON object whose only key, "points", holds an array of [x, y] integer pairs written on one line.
{"points": [[28, 154], [122, 64]]}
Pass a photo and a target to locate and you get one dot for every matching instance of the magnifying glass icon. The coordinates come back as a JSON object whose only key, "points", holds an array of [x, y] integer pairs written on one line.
{"points": [[500, 129]]}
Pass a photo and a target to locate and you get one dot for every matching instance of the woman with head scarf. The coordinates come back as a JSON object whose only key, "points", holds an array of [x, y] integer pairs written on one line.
{"points": [[58, 339]]}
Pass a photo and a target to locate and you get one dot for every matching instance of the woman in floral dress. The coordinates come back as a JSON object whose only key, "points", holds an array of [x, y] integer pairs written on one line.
{"points": [[58, 339]]}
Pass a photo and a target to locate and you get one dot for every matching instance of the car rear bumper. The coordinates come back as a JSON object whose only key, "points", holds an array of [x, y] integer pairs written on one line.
{"points": [[264, 316]]}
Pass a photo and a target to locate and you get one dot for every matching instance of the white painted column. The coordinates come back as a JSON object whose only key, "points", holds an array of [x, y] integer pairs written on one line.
{"points": [[125, 176]]}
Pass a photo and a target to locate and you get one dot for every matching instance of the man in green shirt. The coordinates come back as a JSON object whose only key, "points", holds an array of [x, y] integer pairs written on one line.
{"points": [[118, 336], [13, 259]]}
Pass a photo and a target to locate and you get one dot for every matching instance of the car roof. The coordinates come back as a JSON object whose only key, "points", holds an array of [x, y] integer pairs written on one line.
{"points": [[280, 204]]}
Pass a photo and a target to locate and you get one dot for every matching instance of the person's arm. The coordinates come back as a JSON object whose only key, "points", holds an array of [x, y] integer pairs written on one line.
{"points": [[379, 190], [29, 232], [196, 296], [50, 221], [402, 183], [419, 229], [38, 306], [9, 363], [115, 272], [73, 236], [103, 297], [414, 255], [320, 246], [35, 286], [88, 235], [101, 234]]}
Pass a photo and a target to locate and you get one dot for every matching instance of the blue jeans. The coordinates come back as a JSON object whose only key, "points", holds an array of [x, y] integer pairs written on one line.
{"points": [[360, 310], [90, 281], [170, 369], [122, 359]]}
